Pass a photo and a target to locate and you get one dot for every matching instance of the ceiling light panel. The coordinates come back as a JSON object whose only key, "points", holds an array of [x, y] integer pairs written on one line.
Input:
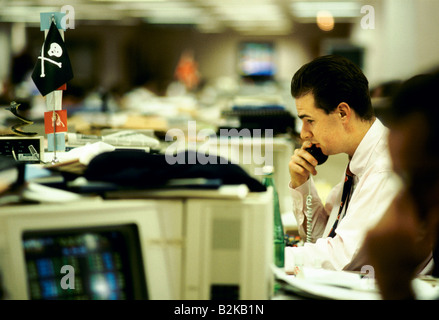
{"points": [[244, 12], [309, 9], [262, 17], [173, 12]]}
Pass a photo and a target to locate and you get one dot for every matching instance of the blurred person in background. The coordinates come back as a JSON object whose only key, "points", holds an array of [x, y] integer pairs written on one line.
{"points": [[404, 243]]}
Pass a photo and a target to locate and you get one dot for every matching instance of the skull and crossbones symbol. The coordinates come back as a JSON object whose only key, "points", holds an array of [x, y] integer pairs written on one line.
{"points": [[54, 50]]}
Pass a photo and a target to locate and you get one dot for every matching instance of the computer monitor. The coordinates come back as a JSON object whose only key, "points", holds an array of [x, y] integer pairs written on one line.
{"points": [[91, 249], [92, 263], [256, 60], [163, 248]]}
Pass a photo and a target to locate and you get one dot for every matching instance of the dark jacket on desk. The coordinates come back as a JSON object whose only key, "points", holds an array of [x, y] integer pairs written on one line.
{"points": [[146, 170]]}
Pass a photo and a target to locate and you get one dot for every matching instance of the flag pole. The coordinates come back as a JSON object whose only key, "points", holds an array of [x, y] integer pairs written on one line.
{"points": [[54, 160]]}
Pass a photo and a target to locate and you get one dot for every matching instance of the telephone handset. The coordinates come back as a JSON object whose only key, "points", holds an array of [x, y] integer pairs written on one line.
{"points": [[317, 153]]}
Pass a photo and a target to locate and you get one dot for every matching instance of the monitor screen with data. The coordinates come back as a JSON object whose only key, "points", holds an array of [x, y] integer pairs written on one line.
{"points": [[93, 263], [256, 60]]}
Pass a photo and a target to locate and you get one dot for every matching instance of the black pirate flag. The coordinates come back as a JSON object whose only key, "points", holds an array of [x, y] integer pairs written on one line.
{"points": [[53, 68]]}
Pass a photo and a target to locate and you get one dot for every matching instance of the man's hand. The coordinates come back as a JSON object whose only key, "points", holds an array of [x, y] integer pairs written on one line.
{"points": [[302, 163]]}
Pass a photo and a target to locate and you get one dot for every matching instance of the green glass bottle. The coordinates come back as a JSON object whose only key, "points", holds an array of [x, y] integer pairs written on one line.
{"points": [[278, 232]]}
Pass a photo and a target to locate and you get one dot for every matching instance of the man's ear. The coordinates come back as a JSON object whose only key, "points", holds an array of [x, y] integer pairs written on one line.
{"points": [[344, 111]]}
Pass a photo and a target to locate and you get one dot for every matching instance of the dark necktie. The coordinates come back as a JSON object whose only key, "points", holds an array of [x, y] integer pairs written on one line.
{"points": [[346, 196]]}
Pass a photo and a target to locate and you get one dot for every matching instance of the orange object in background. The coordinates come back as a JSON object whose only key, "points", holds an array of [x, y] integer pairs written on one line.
{"points": [[187, 70]]}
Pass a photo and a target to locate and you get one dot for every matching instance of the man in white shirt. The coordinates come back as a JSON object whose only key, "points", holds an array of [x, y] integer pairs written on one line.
{"points": [[333, 102]]}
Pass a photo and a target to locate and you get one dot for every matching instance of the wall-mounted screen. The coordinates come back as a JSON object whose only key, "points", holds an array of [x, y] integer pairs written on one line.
{"points": [[256, 60]]}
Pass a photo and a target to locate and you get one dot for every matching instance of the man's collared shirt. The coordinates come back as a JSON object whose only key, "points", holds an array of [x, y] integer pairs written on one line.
{"points": [[375, 186]]}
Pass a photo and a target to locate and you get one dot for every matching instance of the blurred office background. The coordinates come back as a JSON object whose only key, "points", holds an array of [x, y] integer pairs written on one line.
{"points": [[119, 45], [126, 55], [123, 44]]}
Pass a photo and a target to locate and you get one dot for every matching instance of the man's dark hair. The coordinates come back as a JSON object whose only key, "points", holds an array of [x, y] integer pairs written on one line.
{"points": [[334, 79]]}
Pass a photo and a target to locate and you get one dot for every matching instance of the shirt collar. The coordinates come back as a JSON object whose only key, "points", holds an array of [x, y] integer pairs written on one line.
{"points": [[365, 149]]}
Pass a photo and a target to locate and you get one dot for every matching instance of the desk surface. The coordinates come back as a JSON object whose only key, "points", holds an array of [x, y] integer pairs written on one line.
{"points": [[342, 285]]}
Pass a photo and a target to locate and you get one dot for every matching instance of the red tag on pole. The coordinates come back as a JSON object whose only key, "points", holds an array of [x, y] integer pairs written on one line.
{"points": [[60, 121]]}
